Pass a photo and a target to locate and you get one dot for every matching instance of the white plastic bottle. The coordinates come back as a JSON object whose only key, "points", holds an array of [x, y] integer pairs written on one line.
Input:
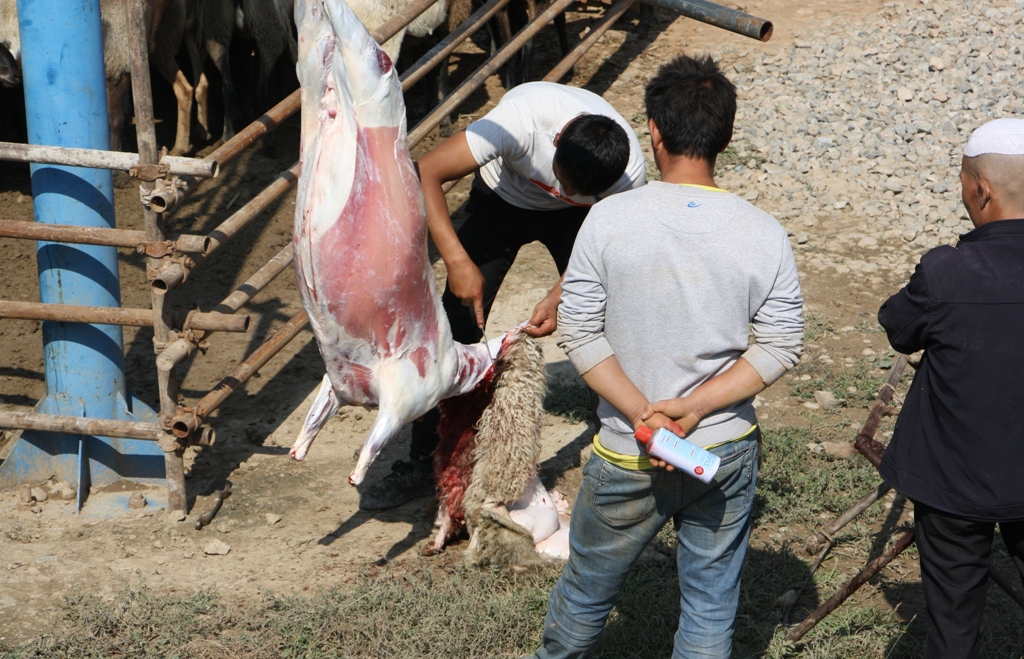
{"points": [[681, 454]]}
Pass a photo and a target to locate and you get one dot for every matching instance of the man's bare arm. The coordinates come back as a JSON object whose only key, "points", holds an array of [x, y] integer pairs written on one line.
{"points": [[449, 161]]}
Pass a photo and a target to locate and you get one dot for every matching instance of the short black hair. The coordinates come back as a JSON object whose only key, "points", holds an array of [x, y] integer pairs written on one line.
{"points": [[693, 105], [592, 153]]}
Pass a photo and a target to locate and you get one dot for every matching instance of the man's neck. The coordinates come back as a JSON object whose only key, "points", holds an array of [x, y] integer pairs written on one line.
{"points": [[685, 170]]}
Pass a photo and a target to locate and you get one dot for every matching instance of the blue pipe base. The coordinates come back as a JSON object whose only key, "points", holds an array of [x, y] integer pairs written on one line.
{"points": [[82, 460]]}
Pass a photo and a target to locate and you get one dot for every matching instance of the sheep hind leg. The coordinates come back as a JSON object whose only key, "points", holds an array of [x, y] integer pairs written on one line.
{"points": [[320, 412]]}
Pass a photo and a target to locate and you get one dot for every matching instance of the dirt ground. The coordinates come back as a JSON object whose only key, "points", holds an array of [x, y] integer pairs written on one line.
{"points": [[296, 526]]}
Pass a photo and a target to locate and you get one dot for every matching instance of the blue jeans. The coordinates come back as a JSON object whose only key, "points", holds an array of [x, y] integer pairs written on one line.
{"points": [[617, 512]]}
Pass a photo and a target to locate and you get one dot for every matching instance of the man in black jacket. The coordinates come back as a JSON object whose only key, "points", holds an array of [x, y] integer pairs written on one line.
{"points": [[958, 447]]}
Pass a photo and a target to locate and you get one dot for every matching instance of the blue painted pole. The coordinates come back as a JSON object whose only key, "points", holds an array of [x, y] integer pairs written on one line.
{"points": [[66, 105]]}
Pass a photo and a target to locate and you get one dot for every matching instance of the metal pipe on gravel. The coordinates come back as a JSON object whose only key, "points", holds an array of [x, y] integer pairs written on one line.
{"points": [[719, 16], [186, 422], [446, 46], [100, 159], [68, 313], [611, 15], [471, 84]]}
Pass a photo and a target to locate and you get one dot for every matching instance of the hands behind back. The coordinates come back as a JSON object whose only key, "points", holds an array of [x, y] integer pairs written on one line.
{"points": [[675, 414], [655, 420]]}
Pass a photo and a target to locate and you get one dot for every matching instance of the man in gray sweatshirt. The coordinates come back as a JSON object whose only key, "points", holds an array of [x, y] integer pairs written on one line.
{"points": [[661, 293]]}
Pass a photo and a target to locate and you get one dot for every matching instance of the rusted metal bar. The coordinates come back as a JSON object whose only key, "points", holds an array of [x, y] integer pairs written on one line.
{"points": [[176, 273], [145, 127], [447, 46], [824, 535], [188, 420], [832, 603], [611, 15], [719, 16], [68, 313], [257, 282], [100, 159], [866, 443], [401, 20], [68, 233], [822, 541], [489, 67], [231, 226], [82, 426], [206, 518]]}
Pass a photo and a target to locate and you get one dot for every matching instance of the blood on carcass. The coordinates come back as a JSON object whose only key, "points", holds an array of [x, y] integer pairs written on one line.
{"points": [[360, 236]]}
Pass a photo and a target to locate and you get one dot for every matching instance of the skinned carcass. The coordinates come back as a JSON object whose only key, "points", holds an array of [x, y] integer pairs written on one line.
{"points": [[361, 241]]}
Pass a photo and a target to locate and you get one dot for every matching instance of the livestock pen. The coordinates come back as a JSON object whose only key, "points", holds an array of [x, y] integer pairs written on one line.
{"points": [[49, 448]]}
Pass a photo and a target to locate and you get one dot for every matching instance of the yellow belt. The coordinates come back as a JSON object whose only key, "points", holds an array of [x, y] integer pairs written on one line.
{"points": [[643, 462]]}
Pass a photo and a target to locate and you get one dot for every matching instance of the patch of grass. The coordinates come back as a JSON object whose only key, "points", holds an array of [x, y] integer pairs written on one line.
{"points": [[569, 399], [862, 377], [795, 486], [869, 327], [816, 327], [457, 612]]}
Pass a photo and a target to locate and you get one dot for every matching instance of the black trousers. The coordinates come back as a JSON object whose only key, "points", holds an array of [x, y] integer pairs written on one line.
{"points": [[493, 233], [954, 570]]}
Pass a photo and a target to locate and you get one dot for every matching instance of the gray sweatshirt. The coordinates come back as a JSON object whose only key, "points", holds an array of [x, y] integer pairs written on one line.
{"points": [[672, 279]]}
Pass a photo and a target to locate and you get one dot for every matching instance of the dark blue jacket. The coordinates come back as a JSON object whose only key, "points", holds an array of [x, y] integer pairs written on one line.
{"points": [[958, 445]]}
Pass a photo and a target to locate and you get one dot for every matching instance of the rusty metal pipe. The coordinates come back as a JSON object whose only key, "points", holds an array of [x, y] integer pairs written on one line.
{"points": [[82, 425], [100, 159], [438, 53], [67, 233], [471, 84], [401, 20], [187, 422], [865, 442], [67, 313], [175, 273], [611, 15], [251, 210], [719, 16], [257, 282], [832, 603]]}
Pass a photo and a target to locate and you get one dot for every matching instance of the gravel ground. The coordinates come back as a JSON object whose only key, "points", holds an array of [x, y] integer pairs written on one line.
{"points": [[860, 134]]}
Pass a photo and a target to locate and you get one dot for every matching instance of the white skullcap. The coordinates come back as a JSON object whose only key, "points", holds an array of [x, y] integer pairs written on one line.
{"points": [[1002, 136]]}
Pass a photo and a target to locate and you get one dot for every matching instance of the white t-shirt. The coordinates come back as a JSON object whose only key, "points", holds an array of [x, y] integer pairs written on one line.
{"points": [[514, 145]]}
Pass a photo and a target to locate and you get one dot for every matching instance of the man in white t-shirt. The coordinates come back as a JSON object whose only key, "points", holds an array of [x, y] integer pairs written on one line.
{"points": [[545, 154]]}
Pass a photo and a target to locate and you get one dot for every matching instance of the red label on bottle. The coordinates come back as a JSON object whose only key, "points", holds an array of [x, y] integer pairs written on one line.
{"points": [[698, 470]]}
